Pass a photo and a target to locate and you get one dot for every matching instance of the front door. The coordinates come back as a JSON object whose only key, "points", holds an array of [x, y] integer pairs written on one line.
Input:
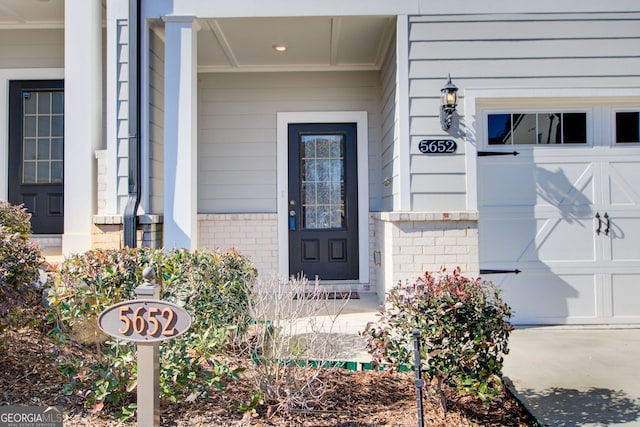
{"points": [[36, 147], [323, 201]]}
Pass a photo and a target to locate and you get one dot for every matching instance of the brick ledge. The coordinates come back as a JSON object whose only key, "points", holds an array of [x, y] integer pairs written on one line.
{"points": [[117, 219], [422, 216]]}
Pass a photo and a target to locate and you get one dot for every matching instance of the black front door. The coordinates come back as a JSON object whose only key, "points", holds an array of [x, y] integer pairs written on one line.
{"points": [[323, 201], [36, 152]]}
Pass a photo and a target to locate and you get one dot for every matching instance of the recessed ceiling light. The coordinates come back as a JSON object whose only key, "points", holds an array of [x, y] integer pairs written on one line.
{"points": [[280, 47]]}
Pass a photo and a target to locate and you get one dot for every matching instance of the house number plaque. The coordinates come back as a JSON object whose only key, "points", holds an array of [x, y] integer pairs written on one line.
{"points": [[437, 146], [144, 320]]}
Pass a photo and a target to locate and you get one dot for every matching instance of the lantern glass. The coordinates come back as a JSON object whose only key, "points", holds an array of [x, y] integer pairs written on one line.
{"points": [[449, 98]]}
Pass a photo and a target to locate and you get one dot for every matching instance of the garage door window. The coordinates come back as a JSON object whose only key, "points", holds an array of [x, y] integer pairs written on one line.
{"points": [[627, 127], [537, 128]]}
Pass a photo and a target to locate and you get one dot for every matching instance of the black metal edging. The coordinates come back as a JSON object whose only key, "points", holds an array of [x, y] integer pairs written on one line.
{"points": [[511, 389], [129, 223], [356, 366]]}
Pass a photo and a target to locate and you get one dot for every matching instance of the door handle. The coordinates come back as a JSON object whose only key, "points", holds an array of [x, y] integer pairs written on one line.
{"points": [[599, 223], [293, 225], [292, 220], [607, 224]]}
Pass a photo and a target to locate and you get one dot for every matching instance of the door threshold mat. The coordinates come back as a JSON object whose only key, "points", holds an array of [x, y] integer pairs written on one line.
{"points": [[328, 295]]}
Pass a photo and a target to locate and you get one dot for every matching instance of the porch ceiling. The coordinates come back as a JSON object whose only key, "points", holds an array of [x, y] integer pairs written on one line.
{"points": [[31, 13], [246, 44]]}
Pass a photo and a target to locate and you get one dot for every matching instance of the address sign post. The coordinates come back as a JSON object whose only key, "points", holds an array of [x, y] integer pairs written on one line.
{"points": [[146, 321], [148, 363]]}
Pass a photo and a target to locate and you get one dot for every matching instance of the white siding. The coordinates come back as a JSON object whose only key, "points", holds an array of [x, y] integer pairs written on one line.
{"points": [[237, 130], [156, 122], [389, 147], [494, 51], [32, 48]]}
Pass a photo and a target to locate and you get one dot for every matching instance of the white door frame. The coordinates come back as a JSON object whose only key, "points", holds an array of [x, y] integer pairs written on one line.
{"points": [[358, 117], [6, 75]]}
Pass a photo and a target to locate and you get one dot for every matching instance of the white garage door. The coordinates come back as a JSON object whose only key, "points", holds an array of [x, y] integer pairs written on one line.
{"points": [[564, 212]]}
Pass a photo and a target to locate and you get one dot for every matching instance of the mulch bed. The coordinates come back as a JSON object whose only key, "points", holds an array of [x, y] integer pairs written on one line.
{"points": [[29, 375]]}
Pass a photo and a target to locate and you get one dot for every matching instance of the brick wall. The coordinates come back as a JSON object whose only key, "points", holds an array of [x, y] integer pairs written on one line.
{"points": [[106, 232], [254, 235], [411, 243], [402, 245]]}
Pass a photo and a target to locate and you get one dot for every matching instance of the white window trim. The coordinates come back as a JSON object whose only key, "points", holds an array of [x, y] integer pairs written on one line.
{"points": [[5, 77], [621, 108], [484, 133], [283, 121]]}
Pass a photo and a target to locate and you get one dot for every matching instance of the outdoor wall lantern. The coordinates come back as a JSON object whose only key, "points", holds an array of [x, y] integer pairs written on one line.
{"points": [[449, 100]]}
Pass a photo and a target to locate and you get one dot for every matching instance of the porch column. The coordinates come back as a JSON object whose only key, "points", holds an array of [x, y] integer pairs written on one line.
{"points": [[180, 133], [83, 118]]}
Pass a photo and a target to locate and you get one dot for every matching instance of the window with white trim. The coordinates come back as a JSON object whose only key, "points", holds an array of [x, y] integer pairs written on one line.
{"points": [[627, 127], [537, 128]]}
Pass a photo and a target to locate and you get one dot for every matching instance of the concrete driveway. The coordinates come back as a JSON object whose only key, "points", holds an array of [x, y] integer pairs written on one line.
{"points": [[577, 375]]}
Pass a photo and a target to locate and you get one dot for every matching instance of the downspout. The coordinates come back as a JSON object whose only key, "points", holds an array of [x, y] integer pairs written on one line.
{"points": [[133, 200]]}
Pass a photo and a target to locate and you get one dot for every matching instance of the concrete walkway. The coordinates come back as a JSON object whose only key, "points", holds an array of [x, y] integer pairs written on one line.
{"points": [[566, 375], [577, 375]]}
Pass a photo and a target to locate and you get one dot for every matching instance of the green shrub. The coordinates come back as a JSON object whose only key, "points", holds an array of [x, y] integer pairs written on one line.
{"points": [[20, 261], [15, 219], [211, 285], [464, 327]]}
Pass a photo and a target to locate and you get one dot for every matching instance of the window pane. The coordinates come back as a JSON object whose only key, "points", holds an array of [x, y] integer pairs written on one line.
{"points": [[43, 173], [322, 147], [43, 126], [57, 149], [499, 126], [29, 100], [336, 193], [29, 173], [309, 170], [323, 193], [323, 170], [337, 217], [549, 128], [336, 148], [57, 103], [57, 125], [29, 149], [308, 193], [322, 181], [43, 149], [310, 217], [57, 172], [628, 127], [574, 128], [44, 103], [524, 129], [324, 217], [29, 127], [308, 146]]}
